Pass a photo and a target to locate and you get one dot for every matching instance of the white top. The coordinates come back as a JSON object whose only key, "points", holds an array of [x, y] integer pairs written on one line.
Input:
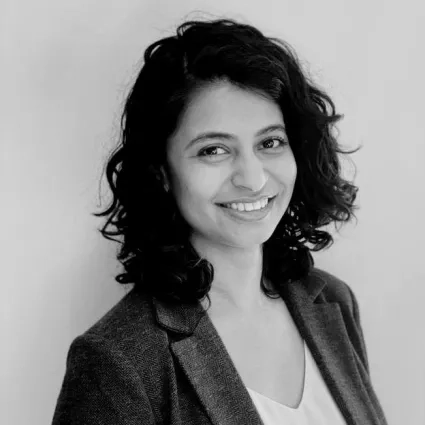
{"points": [[317, 406]]}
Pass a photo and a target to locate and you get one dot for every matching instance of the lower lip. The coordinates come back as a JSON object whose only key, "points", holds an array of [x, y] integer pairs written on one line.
{"points": [[250, 215]]}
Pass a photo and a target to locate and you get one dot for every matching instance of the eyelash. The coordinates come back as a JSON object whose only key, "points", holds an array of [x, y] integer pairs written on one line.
{"points": [[282, 141]]}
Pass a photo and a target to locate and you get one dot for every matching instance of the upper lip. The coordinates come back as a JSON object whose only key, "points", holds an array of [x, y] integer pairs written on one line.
{"points": [[247, 200]]}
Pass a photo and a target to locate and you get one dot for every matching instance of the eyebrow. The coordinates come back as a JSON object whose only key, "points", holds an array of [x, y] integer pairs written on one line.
{"points": [[227, 136]]}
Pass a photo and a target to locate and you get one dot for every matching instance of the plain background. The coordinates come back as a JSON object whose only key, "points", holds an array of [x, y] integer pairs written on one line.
{"points": [[65, 69]]}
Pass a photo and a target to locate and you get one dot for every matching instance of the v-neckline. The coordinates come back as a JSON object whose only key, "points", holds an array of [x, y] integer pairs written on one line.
{"points": [[305, 384]]}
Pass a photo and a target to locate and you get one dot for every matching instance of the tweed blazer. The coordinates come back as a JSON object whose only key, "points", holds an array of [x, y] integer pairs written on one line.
{"points": [[146, 362]]}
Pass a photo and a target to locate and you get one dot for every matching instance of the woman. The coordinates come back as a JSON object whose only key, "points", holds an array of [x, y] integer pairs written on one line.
{"points": [[227, 169]]}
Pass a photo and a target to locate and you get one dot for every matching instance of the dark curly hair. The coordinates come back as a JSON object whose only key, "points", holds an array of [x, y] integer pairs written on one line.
{"points": [[154, 246]]}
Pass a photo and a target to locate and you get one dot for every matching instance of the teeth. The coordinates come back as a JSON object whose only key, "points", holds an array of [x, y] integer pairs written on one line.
{"points": [[248, 207]]}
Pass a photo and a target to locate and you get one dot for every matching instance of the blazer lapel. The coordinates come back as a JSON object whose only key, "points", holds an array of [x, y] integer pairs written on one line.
{"points": [[208, 366], [322, 327]]}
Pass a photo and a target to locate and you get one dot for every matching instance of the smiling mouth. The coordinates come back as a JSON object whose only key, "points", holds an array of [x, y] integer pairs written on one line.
{"points": [[228, 205]]}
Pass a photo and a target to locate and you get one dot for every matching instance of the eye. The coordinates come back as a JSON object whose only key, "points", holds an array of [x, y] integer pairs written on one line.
{"points": [[279, 140], [208, 151]]}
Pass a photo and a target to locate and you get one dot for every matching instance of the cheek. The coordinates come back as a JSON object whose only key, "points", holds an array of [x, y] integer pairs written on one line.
{"points": [[194, 194], [292, 172], [200, 184], [197, 209], [292, 166], [286, 172]]}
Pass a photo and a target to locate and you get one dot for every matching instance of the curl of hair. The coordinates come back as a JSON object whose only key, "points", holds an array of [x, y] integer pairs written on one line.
{"points": [[155, 251]]}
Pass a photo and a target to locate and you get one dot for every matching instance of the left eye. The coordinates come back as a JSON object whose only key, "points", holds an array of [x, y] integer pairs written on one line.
{"points": [[278, 140]]}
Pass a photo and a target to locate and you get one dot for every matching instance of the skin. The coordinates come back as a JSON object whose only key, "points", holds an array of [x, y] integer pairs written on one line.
{"points": [[245, 164]]}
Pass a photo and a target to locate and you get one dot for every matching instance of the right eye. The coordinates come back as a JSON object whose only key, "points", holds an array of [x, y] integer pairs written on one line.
{"points": [[208, 151]]}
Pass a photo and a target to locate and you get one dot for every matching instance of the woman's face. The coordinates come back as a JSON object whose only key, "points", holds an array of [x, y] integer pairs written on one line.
{"points": [[230, 144]]}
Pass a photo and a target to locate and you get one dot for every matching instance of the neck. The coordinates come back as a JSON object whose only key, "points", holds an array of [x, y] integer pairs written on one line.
{"points": [[237, 276]]}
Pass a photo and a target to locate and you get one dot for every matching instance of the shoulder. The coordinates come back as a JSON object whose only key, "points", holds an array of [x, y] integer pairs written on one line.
{"points": [[105, 370], [331, 289], [334, 288], [133, 313], [129, 328]]}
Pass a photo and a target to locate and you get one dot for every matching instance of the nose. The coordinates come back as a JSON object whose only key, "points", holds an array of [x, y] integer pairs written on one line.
{"points": [[250, 174]]}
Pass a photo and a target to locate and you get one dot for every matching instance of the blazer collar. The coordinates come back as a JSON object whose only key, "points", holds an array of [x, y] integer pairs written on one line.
{"points": [[208, 366]]}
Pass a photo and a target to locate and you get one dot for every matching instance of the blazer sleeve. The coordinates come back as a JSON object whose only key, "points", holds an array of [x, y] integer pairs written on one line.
{"points": [[101, 387]]}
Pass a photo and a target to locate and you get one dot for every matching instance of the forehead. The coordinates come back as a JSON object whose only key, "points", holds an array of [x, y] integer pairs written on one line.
{"points": [[225, 107]]}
